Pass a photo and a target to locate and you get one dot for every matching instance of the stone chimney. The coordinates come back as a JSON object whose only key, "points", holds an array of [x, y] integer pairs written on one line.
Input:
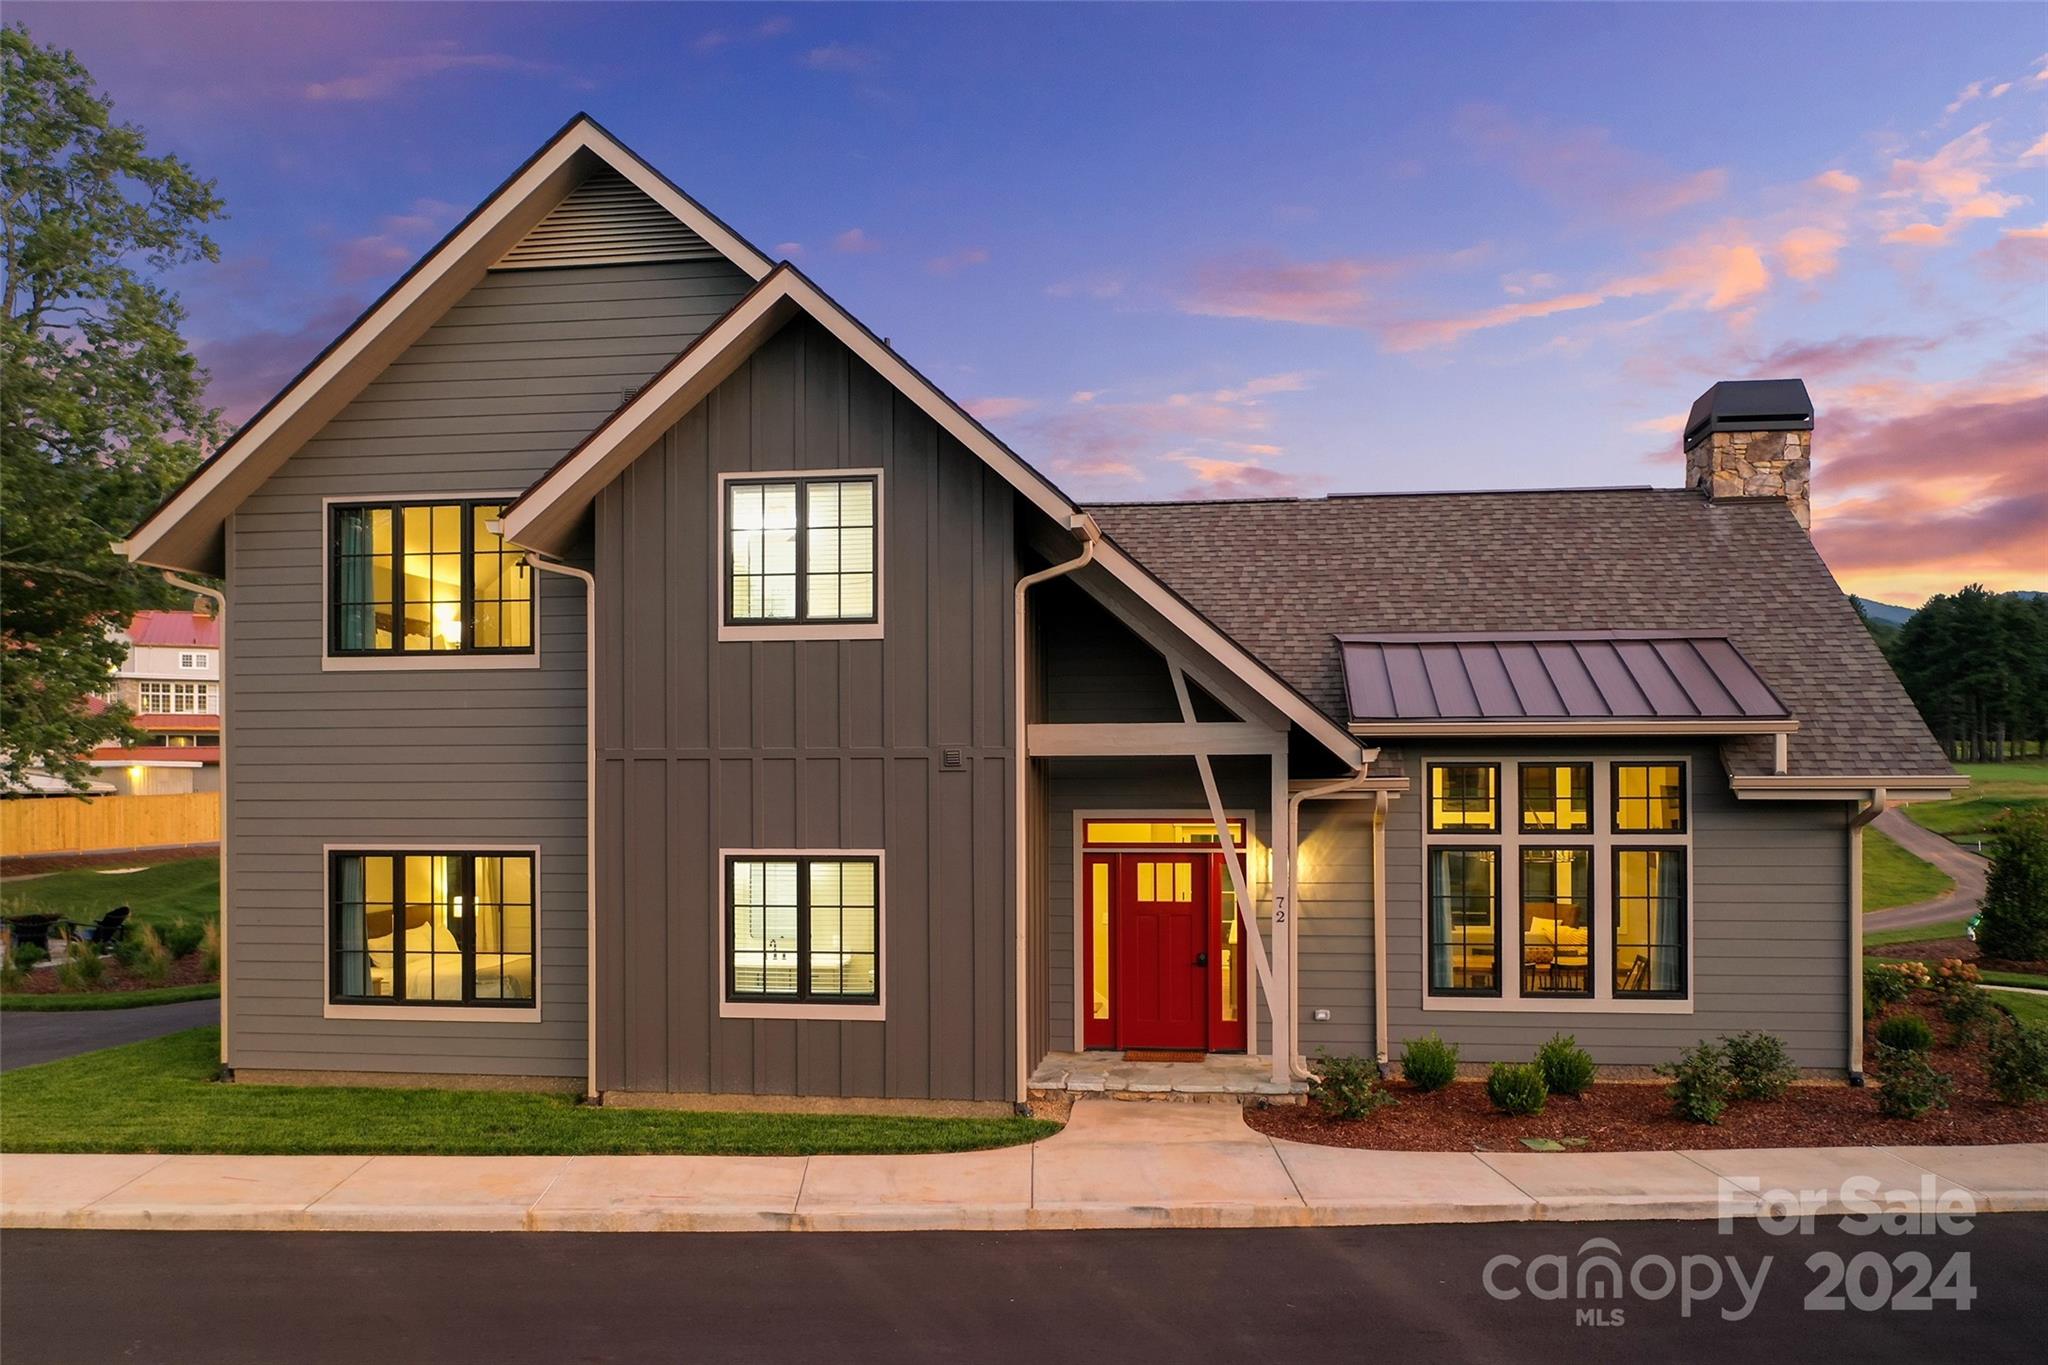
{"points": [[1752, 438]]}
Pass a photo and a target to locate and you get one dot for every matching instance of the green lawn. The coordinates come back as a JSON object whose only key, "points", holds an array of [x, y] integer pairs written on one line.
{"points": [[110, 1000], [187, 889], [2028, 1009], [159, 1097], [1994, 789], [1894, 877], [1926, 933]]}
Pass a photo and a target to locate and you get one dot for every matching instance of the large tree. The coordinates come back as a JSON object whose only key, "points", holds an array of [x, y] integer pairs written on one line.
{"points": [[102, 408]]}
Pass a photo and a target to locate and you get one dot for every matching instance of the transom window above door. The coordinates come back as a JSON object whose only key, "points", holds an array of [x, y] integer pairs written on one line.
{"points": [[802, 556], [424, 580]]}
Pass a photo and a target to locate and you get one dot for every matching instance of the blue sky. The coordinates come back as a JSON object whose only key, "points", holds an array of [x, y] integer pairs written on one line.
{"points": [[1220, 250]]}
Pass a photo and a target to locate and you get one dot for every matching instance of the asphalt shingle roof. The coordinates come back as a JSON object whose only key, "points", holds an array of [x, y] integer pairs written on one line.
{"points": [[1284, 577]]}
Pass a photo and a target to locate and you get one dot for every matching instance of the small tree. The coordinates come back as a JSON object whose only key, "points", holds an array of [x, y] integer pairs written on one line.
{"points": [[2016, 893]]}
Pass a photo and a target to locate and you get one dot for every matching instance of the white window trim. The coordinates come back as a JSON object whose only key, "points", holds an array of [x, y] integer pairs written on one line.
{"points": [[202, 697], [796, 630], [331, 662], [768, 1009], [194, 660], [1603, 841], [468, 1014]]}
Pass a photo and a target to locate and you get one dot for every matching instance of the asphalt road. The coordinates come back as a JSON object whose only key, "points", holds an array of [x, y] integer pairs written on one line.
{"points": [[1958, 902], [1341, 1295], [31, 1036]]}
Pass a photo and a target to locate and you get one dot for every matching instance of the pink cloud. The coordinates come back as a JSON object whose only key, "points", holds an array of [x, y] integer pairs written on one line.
{"points": [[1841, 182], [383, 77], [1809, 253], [245, 370], [955, 261], [997, 408], [855, 241], [397, 243], [2018, 254], [1098, 468], [1235, 479], [1955, 180], [1583, 169], [1330, 293]]}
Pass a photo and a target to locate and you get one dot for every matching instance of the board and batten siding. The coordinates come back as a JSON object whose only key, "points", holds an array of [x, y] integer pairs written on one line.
{"points": [[492, 395], [1769, 914], [818, 744]]}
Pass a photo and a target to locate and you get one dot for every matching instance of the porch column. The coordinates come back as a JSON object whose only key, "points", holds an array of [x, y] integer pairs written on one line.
{"points": [[1286, 1027]]}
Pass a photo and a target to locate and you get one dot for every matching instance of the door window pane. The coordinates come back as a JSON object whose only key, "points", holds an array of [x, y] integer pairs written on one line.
{"points": [[1098, 911]]}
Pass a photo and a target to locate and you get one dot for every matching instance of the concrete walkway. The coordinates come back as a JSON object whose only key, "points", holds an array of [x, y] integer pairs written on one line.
{"points": [[1968, 870], [31, 1036], [1116, 1165]]}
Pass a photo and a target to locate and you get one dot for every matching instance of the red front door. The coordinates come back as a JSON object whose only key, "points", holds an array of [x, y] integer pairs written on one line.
{"points": [[1162, 950]]}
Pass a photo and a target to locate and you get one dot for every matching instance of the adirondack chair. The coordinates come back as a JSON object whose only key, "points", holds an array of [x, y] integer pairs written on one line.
{"points": [[31, 929], [105, 932]]}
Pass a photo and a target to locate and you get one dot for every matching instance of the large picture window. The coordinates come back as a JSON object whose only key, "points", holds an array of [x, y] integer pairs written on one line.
{"points": [[413, 928], [424, 579], [803, 929], [801, 550]]}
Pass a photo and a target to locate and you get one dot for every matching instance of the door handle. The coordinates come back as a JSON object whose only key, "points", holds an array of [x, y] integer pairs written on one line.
{"points": [[1201, 959]]}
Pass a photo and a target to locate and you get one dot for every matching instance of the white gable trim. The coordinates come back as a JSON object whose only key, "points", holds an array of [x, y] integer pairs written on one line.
{"points": [[184, 533], [545, 517]]}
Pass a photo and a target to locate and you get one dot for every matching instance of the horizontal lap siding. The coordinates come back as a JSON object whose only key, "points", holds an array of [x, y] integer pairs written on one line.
{"points": [[1770, 931], [489, 398], [1333, 926], [814, 744]]}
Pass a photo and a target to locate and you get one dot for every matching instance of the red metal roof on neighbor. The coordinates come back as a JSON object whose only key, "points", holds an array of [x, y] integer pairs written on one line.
{"points": [[174, 628], [1553, 677]]}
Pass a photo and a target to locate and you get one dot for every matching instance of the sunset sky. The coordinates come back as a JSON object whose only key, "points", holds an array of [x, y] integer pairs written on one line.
{"points": [[1218, 251]]}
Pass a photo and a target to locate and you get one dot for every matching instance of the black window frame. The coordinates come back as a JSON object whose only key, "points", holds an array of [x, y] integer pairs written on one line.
{"points": [[803, 484], [1614, 797], [466, 861], [1683, 944], [396, 649], [1430, 946], [1500, 798], [1591, 900], [1589, 830], [803, 995]]}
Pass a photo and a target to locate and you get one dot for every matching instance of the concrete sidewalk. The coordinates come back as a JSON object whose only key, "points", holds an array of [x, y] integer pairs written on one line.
{"points": [[1116, 1165]]}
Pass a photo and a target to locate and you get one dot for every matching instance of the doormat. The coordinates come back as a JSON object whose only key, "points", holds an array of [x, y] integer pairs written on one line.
{"points": [[1156, 1054]]}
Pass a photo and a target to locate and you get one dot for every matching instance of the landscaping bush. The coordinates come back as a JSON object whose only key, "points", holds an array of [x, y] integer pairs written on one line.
{"points": [[184, 936], [1429, 1063], [2015, 923], [1969, 1011], [209, 948], [1759, 1067], [81, 968], [2018, 1064], [150, 959], [1516, 1088], [1953, 974], [128, 949], [1347, 1087], [1699, 1083], [27, 955], [10, 975], [1905, 1033], [1883, 986], [1567, 1068], [1908, 1085]]}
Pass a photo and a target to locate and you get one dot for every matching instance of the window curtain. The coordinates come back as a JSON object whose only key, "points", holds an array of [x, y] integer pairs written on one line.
{"points": [[355, 959], [1667, 923], [358, 608]]}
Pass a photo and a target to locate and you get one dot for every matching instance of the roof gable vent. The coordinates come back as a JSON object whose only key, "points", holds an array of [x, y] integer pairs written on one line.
{"points": [[606, 220]]}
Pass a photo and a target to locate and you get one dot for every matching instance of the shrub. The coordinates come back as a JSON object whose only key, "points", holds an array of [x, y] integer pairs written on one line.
{"points": [[1969, 1011], [27, 955], [2018, 1065], [81, 968], [183, 937], [209, 948], [2015, 923], [1699, 1083], [150, 960], [1883, 985], [10, 975], [1759, 1068], [1953, 974], [1567, 1068], [1429, 1063], [128, 950], [1347, 1087], [1908, 1085], [1516, 1088], [1905, 1033]]}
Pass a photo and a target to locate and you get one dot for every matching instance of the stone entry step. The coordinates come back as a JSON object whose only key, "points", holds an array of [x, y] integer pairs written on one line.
{"points": [[1216, 1078]]}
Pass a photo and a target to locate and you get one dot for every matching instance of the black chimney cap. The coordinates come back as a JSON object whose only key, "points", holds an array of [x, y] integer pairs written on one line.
{"points": [[1749, 405]]}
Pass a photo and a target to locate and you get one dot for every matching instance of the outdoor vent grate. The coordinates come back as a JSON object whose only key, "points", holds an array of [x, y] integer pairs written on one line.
{"points": [[952, 760], [606, 220]]}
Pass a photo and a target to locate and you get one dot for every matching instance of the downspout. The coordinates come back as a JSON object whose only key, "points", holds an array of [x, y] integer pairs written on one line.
{"points": [[1091, 536], [590, 1001], [1865, 812], [220, 614], [1379, 930], [1342, 789]]}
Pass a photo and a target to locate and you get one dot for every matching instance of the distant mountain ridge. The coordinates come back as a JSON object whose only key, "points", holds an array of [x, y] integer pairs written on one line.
{"points": [[1884, 613]]}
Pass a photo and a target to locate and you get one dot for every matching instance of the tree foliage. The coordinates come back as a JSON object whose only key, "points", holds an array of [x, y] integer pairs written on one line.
{"points": [[2016, 891], [102, 407], [1976, 664]]}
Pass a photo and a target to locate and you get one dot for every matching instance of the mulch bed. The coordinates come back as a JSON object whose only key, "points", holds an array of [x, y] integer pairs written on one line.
{"points": [[189, 970], [1620, 1117], [1941, 949]]}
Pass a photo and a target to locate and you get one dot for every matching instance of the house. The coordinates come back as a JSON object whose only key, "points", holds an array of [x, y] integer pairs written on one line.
{"points": [[171, 680], [644, 681]]}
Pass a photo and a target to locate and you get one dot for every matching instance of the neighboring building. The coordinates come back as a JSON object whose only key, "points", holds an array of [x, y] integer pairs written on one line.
{"points": [[643, 680], [171, 680]]}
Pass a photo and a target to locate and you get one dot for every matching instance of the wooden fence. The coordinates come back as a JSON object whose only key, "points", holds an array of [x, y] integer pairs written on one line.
{"points": [[70, 824]]}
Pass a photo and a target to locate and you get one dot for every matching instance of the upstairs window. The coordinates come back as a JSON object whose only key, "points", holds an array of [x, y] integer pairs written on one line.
{"points": [[195, 660], [426, 578], [176, 699], [801, 551]]}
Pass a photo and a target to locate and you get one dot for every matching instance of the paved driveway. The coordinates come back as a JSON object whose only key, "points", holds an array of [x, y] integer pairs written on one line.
{"points": [[28, 1037], [1967, 868]]}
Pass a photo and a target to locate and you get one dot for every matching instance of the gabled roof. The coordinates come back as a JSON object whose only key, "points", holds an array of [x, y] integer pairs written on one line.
{"points": [[174, 628], [545, 517], [185, 532], [1286, 577]]}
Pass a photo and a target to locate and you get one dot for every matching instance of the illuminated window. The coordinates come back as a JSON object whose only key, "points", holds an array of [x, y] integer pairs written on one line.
{"points": [[1649, 798], [1557, 920], [175, 699], [1557, 797], [432, 929], [425, 579], [1464, 798], [1464, 921], [1649, 922], [803, 930], [800, 550], [1098, 910], [1148, 833]]}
